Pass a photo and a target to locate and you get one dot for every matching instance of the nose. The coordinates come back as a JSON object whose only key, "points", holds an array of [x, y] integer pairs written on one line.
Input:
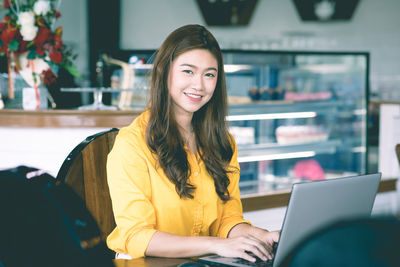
{"points": [[197, 82]]}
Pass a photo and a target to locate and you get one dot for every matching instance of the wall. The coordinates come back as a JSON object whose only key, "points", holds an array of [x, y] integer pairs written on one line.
{"points": [[276, 25], [74, 21], [43, 148]]}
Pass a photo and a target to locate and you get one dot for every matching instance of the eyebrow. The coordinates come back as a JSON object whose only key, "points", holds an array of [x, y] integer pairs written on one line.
{"points": [[193, 66]]}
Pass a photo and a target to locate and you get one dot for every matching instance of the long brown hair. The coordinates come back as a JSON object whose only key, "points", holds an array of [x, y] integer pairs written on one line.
{"points": [[212, 138]]}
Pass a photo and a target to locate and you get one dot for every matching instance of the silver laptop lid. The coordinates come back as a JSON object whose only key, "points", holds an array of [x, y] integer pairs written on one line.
{"points": [[313, 205]]}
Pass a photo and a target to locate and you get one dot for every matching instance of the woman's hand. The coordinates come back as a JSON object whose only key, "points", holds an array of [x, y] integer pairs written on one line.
{"points": [[241, 246], [268, 237], [247, 238]]}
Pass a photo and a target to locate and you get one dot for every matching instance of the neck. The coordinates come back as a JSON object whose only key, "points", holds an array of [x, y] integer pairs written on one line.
{"points": [[184, 122]]}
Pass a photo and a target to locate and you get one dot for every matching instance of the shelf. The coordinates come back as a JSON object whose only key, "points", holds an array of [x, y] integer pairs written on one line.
{"points": [[258, 152], [282, 106], [269, 183]]}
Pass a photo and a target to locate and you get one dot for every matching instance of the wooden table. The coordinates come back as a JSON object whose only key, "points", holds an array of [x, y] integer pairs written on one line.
{"points": [[150, 262]]}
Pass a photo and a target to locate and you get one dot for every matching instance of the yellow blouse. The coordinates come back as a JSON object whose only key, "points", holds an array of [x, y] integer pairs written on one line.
{"points": [[144, 200]]}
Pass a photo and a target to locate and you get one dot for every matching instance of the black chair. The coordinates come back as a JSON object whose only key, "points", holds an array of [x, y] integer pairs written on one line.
{"points": [[44, 224], [371, 242], [84, 170]]}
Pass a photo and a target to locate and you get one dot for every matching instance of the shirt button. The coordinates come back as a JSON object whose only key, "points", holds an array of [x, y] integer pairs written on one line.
{"points": [[196, 173]]}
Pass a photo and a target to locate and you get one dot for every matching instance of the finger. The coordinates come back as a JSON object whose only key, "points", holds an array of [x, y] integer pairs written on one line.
{"points": [[262, 249], [263, 255], [258, 251], [246, 256], [274, 242], [271, 239], [275, 236]]}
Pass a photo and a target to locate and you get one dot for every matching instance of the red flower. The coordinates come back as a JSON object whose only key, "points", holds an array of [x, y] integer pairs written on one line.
{"points": [[40, 50], [57, 14], [57, 42], [6, 3], [48, 77], [56, 57], [42, 36], [22, 46], [8, 34]]}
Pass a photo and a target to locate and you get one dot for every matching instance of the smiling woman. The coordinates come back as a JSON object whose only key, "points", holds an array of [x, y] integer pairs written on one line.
{"points": [[173, 173]]}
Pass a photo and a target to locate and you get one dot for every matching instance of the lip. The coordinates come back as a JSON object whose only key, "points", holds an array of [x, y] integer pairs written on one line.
{"points": [[193, 97]]}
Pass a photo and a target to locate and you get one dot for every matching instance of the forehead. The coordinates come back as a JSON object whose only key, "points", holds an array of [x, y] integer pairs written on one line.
{"points": [[197, 57]]}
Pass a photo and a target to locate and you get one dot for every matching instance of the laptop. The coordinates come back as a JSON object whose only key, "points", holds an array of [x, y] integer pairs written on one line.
{"points": [[313, 205]]}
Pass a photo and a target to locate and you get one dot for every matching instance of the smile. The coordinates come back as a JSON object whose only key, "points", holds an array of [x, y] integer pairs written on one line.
{"points": [[193, 96]]}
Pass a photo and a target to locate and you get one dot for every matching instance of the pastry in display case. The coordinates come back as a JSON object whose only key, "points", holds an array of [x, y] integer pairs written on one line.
{"points": [[295, 116]]}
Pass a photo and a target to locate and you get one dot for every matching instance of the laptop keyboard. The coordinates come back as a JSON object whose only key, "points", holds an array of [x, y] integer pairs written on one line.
{"points": [[216, 260], [258, 263]]}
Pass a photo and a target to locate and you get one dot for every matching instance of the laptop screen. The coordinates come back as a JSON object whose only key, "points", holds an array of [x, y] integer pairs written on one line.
{"points": [[313, 205]]}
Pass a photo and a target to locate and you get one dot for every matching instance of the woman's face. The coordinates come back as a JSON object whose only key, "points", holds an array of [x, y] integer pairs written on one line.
{"points": [[192, 79]]}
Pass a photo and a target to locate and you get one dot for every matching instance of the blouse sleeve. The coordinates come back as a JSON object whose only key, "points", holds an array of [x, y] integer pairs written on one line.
{"points": [[232, 213], [130, 190]]}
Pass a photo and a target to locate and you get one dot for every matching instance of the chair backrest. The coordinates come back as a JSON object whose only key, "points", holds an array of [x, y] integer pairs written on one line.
{"points": [[84, 170], [398, 152]]}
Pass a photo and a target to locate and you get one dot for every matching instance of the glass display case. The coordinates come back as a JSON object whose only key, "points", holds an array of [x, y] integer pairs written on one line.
{"points": [[295, 116]]}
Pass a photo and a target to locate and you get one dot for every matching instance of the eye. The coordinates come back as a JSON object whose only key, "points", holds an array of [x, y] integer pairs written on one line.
{"points": [[188, 71], [211, 75]]}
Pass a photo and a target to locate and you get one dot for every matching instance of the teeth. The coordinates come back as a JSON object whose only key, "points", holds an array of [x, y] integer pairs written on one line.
{"points": [[194, 96]]}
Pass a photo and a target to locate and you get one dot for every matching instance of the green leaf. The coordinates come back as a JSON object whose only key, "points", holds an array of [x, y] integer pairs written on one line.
{"points": [[31, 54], [30, 44], [71, 68], [13, 45]]}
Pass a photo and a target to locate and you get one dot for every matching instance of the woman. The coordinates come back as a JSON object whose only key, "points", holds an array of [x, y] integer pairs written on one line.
{"points": [[173, 173]]}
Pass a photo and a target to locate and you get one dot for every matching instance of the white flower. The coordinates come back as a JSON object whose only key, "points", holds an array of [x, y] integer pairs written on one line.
{"points": [[41, 7], [28, 32], [26, 18]]}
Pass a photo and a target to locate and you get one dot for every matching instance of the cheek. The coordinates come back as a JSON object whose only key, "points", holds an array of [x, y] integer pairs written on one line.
{"points": [[210, 85], [176, 81]]}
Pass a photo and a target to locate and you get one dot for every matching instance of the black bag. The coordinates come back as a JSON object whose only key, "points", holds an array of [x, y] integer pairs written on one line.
{"points": [[44, 224]]}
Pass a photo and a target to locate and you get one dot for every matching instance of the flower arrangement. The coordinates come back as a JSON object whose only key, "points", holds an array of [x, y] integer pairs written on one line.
{"points": [[28, 30]]}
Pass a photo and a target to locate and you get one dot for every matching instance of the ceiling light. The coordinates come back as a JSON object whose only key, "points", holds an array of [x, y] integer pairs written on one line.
{"points": [[325, 9]]}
